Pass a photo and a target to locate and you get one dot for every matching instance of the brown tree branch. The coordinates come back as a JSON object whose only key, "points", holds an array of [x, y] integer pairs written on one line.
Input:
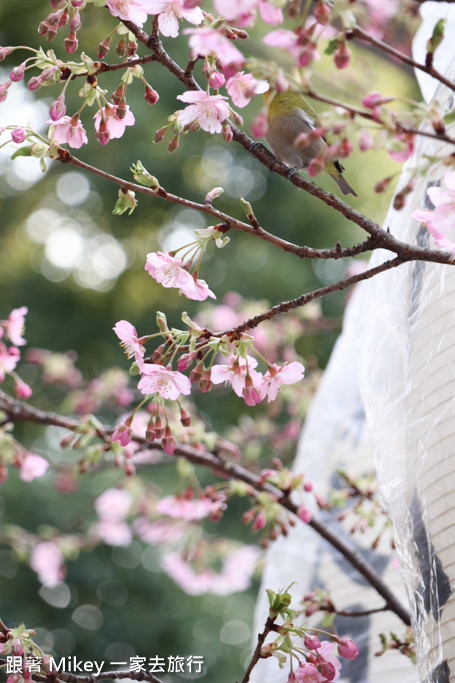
{"points": [[359, 33], [257, 650], [19, 411]]}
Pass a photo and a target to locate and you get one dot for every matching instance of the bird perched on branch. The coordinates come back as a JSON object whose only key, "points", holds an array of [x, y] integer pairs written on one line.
{"points": [[289, 118]]}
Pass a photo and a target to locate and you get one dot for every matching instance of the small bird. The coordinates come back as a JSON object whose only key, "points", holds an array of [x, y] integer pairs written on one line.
{"points": [[288, 116]]}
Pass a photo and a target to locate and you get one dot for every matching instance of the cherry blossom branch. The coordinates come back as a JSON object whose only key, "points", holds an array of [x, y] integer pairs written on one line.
{"points": [[230, 222], [257, 650], [399, 127], [379, 238], [19, 411], [359, 33]]}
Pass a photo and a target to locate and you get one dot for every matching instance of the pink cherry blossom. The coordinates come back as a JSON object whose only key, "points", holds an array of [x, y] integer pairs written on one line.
{"points": [[23, 390], [14, 326], [347, 649], [401, 150], [235, 575], [168, 383], [277, 375], [326, 652], [303, 51], [113, 533], [206, 42], [122, 434], [47, 561], [270, 13], [240, 12], [108, 122], [127, 334], [182, 508], [236, 372], [307, 673], [130, 10], [170, 11], [68, 130], [208, 110], [33, 467], [9, 358], [113, 505], [160, 531], [440, 222], [168, 271], [242, 87], [259, 125]]}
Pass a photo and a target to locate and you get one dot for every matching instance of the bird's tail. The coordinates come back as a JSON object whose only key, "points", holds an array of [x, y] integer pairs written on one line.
{"points": [[343, 184]]}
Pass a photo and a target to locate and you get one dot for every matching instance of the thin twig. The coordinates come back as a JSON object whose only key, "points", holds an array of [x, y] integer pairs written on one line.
{"points": [[257, 650]]}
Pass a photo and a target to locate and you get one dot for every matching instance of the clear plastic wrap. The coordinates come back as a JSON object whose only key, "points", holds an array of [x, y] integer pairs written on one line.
{"points": [[407, 379], [335, 434]]}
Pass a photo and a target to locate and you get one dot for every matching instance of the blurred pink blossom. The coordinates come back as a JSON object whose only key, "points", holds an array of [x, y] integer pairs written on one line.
{"points": [[130, 10], [207, 42], [183, 508], [14, 326], [242, 87], [47, 561], [33, 467], [113, 505]]}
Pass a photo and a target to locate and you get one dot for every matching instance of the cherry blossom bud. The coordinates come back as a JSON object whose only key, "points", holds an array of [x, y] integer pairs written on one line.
{"points": [[342, 56], [185, 361], [121, 47], [18, 135], [118, 93], [17, 73], [64, 18], [57, 108], [48, 74], [375, 99], [185, 417], [304, 514], [259, 522], [308, 486], [121, 110], [4, 52], [75, 22], [217, 80], [131, 48], [150, 95], [51, 33], [43, 28], [158, 427], [71, 43], [347, 649], [365, 141], [204, 383], [227, 132], [122, 434], [4, 90], [103, 47], [312, 642], [322, 13], [327, 670], [160, 133], [197, 372], [77, 3], [382, 185], [168, 443], [174, 143], [53, 19], [102, 134]]}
